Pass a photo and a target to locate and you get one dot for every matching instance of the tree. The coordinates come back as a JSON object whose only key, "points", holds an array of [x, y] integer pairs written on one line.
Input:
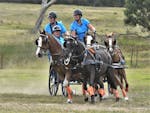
{"points": [[45, 5], [138, 13]]}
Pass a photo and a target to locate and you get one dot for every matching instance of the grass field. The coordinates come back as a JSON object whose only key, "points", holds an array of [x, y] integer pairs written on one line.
{"points": [[24, 78], [26, 91]]}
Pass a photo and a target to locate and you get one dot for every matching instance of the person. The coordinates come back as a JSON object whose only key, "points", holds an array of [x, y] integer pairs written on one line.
{"points": [[52, 16], [56, 31], [80, 26], [52, 22]]}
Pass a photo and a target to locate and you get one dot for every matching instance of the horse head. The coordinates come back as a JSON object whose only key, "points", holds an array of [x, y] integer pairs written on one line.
{"points": [[48, 42], [74, 49], [110, 41], [42, 43], [89, 39]]}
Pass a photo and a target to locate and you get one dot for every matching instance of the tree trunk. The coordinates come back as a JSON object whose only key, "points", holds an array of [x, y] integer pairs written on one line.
{"points": [[39, 21]]}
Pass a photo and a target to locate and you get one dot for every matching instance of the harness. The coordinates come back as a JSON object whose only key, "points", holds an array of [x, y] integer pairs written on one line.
{"points": [[121, 63]]}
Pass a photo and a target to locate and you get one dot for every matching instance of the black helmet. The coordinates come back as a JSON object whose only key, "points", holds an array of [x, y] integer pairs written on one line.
{"points": [[77, 12], [56, 28], [52, 15]]}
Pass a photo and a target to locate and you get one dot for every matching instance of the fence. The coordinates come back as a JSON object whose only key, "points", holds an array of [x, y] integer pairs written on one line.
{"points": [[134, 47]]}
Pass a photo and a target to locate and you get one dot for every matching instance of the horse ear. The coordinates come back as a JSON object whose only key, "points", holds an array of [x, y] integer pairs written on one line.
{"points": [[64, 44], [44, 31]]}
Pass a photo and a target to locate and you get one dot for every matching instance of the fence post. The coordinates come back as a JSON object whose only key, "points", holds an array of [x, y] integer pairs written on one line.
{"points": [[1, 59], [131, 60], [137, 51]]}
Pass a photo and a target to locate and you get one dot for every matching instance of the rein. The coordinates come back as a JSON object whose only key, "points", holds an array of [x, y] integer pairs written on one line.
{"points": [[77, 56]]}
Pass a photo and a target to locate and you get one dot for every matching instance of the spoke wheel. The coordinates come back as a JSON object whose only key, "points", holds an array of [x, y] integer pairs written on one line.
{"points": [[53, 83], [64, 91]]}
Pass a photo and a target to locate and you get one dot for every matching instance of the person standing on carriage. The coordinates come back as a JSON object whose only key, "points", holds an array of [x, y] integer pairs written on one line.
{"points": [[80, 26], [52, 16]]}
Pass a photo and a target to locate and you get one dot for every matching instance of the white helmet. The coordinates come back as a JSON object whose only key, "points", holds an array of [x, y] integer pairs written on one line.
{"points": [[56, 28]]}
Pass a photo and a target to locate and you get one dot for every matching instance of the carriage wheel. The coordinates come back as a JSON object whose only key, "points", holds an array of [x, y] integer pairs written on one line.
{"points": [[64, 91], [53, 82]]}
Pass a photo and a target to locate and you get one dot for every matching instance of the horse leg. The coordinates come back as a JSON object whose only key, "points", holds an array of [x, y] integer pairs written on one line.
{"points": [[101, 90], [84, 91], [66, 85], [91, 85], [125, 79], [111, 80], [121, 85]]}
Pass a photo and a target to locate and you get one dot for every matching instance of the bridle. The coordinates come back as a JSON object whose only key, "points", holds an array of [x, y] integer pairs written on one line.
{"points": [[73, 57], [47, 41]]}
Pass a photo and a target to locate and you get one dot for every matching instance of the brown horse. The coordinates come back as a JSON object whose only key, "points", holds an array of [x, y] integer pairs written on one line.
{"points": [[49, 42], [118, 62]]}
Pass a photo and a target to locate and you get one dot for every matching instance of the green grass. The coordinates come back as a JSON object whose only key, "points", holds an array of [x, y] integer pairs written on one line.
{"points": [[24, 78], [26, 91]]}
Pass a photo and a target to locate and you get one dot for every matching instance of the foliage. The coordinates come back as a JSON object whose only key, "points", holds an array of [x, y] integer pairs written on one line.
{"points": [[138, 13]]}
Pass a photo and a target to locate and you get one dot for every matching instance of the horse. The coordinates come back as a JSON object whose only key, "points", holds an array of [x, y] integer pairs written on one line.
{"points": [[49, 42], [92, 68], [118, 62]]}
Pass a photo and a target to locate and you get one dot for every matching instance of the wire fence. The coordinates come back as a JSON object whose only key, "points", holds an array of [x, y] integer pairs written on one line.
{"points": [[134, 47]]}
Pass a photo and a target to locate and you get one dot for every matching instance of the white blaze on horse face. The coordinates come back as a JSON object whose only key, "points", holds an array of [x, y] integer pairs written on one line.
{"points": [[39, 46], [110, 44], [89, 39]]}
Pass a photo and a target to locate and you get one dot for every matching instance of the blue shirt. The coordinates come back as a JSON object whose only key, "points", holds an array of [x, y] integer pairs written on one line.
{"points": [[61, 40], [48, 28], [80, 29]]}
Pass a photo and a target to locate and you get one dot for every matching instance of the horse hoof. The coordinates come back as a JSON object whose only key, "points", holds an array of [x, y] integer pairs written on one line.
{"points": [[86, 99], [69, 101], [126, 98], [117, 99]]}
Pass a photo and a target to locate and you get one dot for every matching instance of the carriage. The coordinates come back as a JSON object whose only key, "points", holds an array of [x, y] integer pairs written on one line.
{"points": [[82, 59]]}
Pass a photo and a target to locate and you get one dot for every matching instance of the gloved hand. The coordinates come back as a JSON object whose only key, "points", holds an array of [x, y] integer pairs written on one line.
{"points": [[122, 61]]}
